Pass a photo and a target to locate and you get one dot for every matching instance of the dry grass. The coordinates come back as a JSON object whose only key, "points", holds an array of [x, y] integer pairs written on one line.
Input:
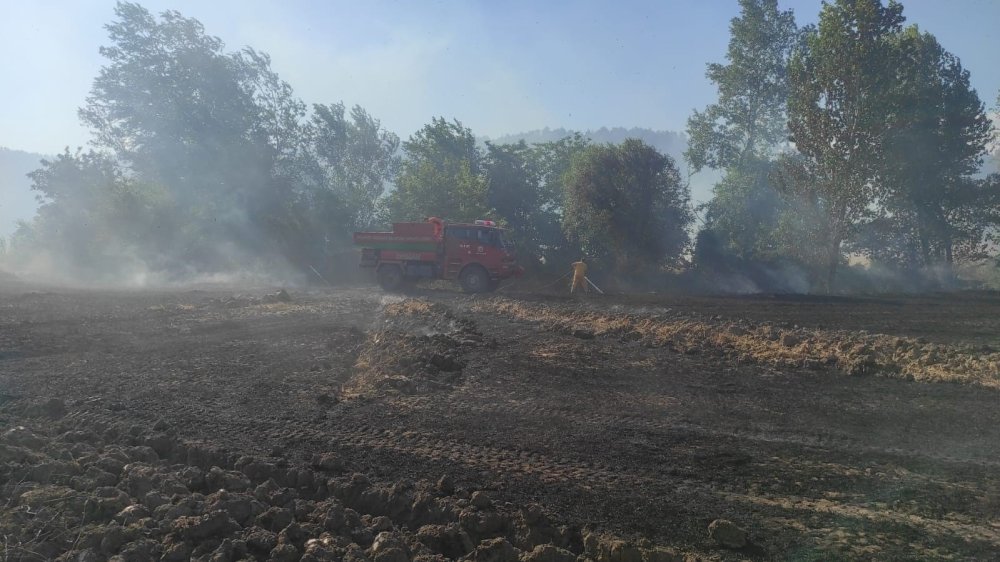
{"points": [[852, 352], [411, 307], [413, 350]]}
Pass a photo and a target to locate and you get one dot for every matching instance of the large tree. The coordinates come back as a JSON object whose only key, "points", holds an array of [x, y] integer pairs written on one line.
{"points": [[838, 110], [213, 151], [743, 129], [626, 204], [938, 136], [441, 175], [357, 158], [95, 217], [748, 120], [220, 131]]}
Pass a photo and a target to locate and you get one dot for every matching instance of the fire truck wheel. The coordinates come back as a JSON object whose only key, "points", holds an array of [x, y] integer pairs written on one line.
{"points": [[390, 277], [475, 279]]}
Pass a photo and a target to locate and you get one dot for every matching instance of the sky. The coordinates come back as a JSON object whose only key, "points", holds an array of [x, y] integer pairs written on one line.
{"points": [[500, 67]]}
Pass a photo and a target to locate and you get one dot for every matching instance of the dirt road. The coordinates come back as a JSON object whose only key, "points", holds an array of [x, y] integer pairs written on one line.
{"points": [[640, 420]]}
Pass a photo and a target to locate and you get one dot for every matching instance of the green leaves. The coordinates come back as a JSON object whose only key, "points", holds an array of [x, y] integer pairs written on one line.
{"points": [[743, 131], [749, 118], [937, 138], [525, 188], [206, 160], [839, 106], [356, 159], [441, 175], [626, 204]]}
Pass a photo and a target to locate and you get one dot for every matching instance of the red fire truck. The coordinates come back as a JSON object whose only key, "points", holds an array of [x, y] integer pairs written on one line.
{"points": [[476, 254]]}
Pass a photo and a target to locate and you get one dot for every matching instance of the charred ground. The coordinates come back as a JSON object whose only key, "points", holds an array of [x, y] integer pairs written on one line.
{"points": [[587, 423]]}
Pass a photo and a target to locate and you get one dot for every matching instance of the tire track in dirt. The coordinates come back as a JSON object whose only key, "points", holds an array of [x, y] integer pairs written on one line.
{"points": [[479, 457], [597, 416], [831, 443], [855, 353]]}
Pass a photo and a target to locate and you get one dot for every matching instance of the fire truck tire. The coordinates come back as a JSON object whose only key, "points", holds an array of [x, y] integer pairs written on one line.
{"points": [[390, 277], [475, 279]]}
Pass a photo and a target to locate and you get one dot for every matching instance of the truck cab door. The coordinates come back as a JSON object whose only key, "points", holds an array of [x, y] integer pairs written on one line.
{"points": [[456, 250]]}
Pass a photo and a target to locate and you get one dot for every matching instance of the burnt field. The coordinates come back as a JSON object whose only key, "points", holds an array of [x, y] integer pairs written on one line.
{"points": [[348, 424]]}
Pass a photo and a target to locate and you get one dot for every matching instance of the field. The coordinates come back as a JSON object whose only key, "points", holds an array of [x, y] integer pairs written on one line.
{"points": [[351, 425]]}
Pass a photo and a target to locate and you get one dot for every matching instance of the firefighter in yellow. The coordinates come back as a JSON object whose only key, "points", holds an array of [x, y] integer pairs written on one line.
{"points": [[580, 276]]}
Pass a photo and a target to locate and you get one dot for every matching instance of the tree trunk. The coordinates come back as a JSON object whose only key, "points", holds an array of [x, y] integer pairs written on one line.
{"points": [[949, 257], [925, 247], [833, 260], [837, 237]]}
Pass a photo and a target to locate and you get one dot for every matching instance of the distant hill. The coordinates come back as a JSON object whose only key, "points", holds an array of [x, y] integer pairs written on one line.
{"points": [[17, 201], [667, 142]]}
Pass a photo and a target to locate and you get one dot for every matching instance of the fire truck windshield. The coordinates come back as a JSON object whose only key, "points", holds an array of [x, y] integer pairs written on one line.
{"points": [[490, 237]]}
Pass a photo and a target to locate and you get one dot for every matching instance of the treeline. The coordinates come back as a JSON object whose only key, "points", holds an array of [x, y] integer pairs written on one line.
{"points": [[204, 161], [855, 137]]}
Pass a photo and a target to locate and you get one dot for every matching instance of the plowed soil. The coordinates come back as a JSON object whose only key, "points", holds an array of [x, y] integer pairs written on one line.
{"points": [[825, 428]]}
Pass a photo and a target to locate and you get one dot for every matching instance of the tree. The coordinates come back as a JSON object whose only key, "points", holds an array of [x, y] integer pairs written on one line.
{"points": [[745, 212], [357, 157], [525, 188], [741, 131], [837, 110], [219, 131], [205, 159], [94, 216], [626, 203], [441, 175], [748, 121], [804, 227], [172, 105], [514, 192], [938, 137]]}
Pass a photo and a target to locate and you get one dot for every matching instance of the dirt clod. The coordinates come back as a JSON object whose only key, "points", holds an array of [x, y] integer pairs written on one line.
{"points": [[727, 534], [551, 553], [481, 500], [328, 462], [445, 485]]}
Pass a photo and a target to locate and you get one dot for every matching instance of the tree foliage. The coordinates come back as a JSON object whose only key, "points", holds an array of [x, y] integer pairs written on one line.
{"points": [[745, 213], [742, 131], [626, 204], [93, 213], [748, 119], [838, 110], [525, 186], [440, 176], [937, 138], [212, 155], [357, 155]]}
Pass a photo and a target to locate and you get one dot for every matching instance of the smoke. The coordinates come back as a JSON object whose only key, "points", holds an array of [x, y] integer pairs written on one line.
{"points": [[744, 278], [44, 267]]}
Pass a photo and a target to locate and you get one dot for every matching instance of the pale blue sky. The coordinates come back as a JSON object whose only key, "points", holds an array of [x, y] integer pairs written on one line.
{"points": [[500, 67]]}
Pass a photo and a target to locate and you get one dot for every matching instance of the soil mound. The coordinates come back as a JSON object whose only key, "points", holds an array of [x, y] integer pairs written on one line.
{"points": [[854, 353], [414, 347]]}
